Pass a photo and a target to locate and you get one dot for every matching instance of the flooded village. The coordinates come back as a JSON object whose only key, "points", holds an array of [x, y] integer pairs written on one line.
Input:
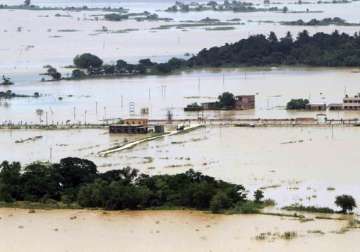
{"points": [[134, 125]]}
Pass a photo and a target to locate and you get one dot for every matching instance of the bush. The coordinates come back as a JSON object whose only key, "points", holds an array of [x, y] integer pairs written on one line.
{"points": [[77, 74], [219, 202], [248, 207]]}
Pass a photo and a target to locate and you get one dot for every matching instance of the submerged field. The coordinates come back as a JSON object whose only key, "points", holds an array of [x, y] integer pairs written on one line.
{"points": [[309, 166], [303, 165]]}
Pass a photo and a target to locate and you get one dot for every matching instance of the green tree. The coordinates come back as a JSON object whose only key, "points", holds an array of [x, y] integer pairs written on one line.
{"points": [[39, 182], [163, 68], [219, 202], [297, 104], [258, 195], [77, 74], [87, 60], [346, 202], [74, 172], [121, 64], [52, 72], [146, 62], [227, 100], [10, 186]]}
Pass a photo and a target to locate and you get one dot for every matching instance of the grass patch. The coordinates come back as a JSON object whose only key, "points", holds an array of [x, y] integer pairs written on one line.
{"points": [[50, 204], [250, 207], [310, 209], [289, 235]]}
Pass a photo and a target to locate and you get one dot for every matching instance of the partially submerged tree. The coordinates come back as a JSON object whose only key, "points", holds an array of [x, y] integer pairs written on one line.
{"points": [[258, 195], [77, 74], [87, 60], [297, 104], [226, 100], [52, 72], [346, 202], [6, 81]]}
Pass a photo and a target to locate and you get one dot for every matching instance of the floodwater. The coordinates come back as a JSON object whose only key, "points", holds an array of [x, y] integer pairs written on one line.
{"points": [[306, 165], [44, 39], [94, 100], [71, 230]]}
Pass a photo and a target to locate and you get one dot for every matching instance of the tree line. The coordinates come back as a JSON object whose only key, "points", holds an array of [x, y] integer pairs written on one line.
{"points": [[77, 181], [321, 49]]}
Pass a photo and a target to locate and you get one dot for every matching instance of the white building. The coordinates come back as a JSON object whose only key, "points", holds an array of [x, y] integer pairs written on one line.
{"points": [[351, 103]]}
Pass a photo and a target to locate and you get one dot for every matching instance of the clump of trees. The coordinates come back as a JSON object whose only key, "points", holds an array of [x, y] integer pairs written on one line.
{"points": [[115, 17], [87, 60], [321, 22], [77, 181], [320, 49], [297, 104], [94, 67], [346, 202], [6, 81], [226, 100], [52, 72]]}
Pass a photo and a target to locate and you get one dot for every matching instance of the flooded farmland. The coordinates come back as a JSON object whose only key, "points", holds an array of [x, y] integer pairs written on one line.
{"points": [[301, 165], [291, 164]]}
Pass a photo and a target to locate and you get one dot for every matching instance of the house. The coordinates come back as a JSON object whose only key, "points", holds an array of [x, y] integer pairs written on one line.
{"points": [[315, 107], [131, 126], [351, 103], [335, 106], [210, 105], [136, 121], [244, 102], [128, 129]]}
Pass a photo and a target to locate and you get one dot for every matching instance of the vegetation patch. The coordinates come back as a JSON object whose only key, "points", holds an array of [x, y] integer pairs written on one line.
{"points": [[77, 182], [311, 209], [323, 22]]}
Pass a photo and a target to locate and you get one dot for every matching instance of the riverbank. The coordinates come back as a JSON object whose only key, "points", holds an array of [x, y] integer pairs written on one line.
{"points": [[84, 230]]}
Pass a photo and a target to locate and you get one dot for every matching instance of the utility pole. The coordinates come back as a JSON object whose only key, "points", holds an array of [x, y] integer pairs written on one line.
{"points": [[223, 82], [50, 154], [199, 86], [74, 112]]}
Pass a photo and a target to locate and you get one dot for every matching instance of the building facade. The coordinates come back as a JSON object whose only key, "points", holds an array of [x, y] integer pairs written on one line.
{"points": [[351, 103], [244, 102]]}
